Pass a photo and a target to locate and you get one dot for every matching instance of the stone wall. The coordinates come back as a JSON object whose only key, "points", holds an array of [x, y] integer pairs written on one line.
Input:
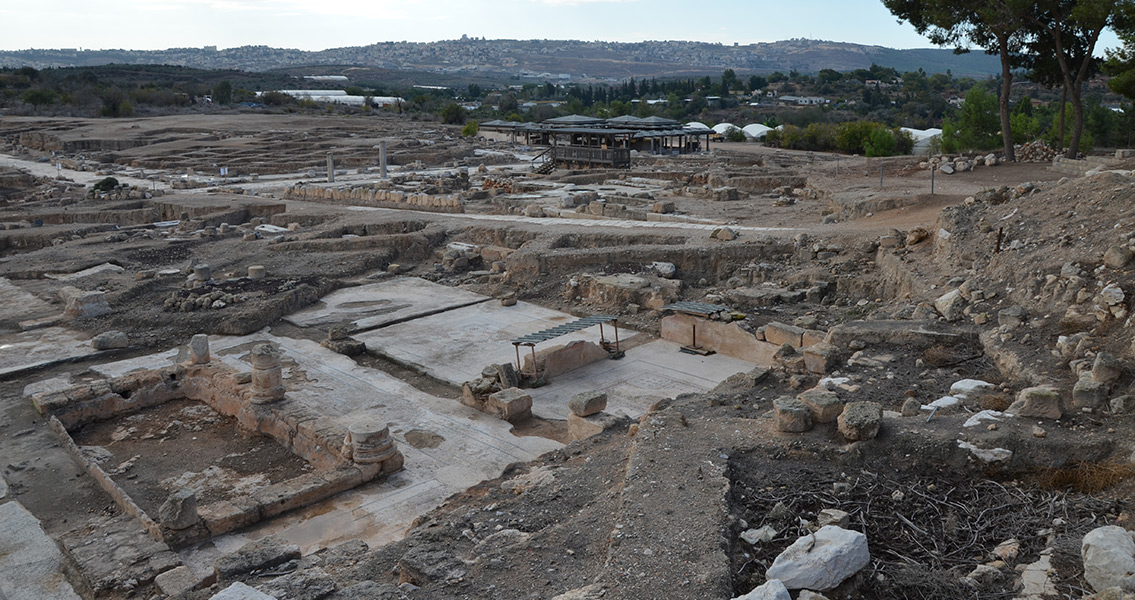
{"points": [[369, 196], [721, 337]]}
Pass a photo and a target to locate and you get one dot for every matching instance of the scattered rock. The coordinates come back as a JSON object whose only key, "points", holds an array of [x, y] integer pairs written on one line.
{"points": [[1109, 558], [821, 561], [179, 510], [762, 535], [178, 581], [950, 305], [1039, 403], [588, 403], [772, 589], [109, 340], [860, 420], [792, 415]]}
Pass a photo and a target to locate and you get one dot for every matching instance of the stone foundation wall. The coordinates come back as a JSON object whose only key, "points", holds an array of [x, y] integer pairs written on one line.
{"points": [[724, 338], [369, 196]]}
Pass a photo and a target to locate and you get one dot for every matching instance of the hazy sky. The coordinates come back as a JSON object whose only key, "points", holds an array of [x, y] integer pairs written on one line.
{"points": [[320, 24]]}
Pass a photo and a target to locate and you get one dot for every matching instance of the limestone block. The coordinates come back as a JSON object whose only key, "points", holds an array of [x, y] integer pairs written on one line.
{"points": [[82, 305], [950, 305], [580, 428], [257, 272], [860, 420], [510, 404], [1117, 257], [820, 357], [588, 403], [833, 516], [1014, 316], [780, 334], [812, 336], [179, 510], [1109, 558], [821, 561], [1038, 402], [178, 581], [109, 340], [1106, 368], [824, 405], [792, 415], [772, 589], [1088, 393]]}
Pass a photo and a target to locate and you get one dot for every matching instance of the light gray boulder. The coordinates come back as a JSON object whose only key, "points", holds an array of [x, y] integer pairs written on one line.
{"points": [[821, 561]]}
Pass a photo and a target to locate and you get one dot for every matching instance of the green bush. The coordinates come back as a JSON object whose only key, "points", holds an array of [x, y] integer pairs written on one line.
{"points": [[106, 185], [735, 135], [880, 142], [977, 125], [470, 129], [453, 114]]}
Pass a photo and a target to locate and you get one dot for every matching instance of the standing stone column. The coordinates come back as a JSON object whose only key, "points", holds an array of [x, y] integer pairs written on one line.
{"points": [[371, 444], [267, 376], [199, 349], [330, 168], [382, 159]]}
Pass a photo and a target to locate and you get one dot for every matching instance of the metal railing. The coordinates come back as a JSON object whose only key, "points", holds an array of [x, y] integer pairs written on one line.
{"points": [[617, 157]]}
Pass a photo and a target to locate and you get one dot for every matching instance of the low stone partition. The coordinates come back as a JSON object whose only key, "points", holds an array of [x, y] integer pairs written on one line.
{"points": [[561, 358], [367, 195], [721, 337], [344, 456]]}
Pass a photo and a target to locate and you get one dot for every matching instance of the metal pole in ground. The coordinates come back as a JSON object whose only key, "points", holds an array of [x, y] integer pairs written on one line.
{"points": [[880, 176], [933, 168]]}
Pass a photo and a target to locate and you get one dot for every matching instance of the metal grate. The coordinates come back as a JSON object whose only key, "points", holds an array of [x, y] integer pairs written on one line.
{"points": [[578, 325]]}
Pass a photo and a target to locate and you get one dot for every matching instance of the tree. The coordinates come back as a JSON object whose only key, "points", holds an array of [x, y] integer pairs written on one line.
{"points": [[453, 114], [994, 25], [1120, 63], [1066, 32], [39, 97], [975, 127], [223, 92]]}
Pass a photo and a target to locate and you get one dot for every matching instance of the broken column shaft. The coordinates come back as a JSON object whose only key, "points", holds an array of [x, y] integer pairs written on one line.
{"points": [[267, 376]]}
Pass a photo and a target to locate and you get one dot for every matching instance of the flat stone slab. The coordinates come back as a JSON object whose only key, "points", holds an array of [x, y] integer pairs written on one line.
{"points": [[31, 565], [454, 346], [16, 304], [378, 304], [647, 374], [41, 347], [95, 270]]}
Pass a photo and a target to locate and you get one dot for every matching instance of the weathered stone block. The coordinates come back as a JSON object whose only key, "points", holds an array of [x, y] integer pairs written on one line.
{"points": [[950, 305], [1106, 368], [780, 333], [177, 581], [820, 357], [861, 420], [1088, 393], [584, 427], [588, 403], [1038, 402], [179, 510], [792, 415], [824, 405], [511, 405]]}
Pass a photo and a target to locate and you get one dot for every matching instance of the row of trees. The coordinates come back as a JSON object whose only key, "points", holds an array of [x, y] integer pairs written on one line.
{"points": [[1054, 40]]}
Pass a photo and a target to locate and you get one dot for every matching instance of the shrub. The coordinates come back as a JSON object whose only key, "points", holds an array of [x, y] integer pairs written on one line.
{"points": [[106, 185], [471, 128], [880, 142]]}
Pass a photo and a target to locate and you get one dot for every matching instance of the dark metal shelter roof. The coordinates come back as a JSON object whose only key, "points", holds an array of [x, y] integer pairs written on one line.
{"points": [[701, 309], [578, 325]]}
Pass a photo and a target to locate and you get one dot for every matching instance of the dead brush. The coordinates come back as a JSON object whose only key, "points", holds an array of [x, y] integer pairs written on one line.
{"points": [[1085, 477], [998, 402]]}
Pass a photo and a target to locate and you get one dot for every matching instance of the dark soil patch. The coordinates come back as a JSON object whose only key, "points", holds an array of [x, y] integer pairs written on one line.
{"points": [[185, 443], [927, 528]]}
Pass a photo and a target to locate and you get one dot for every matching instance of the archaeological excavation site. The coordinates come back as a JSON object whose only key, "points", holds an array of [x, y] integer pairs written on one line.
{"points": [[335, 357]]}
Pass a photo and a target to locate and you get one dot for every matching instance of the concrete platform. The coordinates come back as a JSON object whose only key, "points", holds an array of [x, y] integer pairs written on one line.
{"points": [[41, 347], [647, 373], [456, 345], [456, 445], [17, 305], [378, 304], [31, 565]]}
